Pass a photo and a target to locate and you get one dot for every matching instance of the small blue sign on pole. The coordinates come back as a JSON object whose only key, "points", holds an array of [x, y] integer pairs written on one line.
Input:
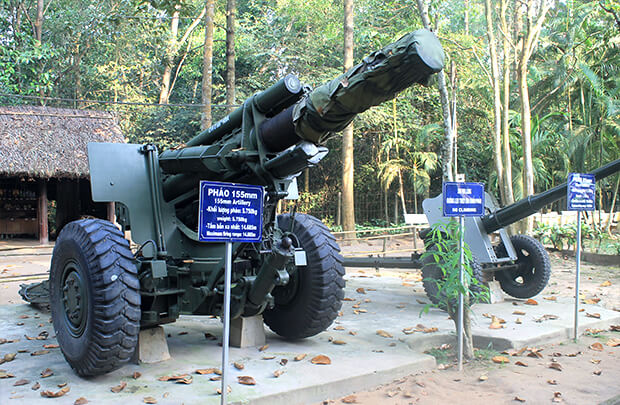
{"points": [[581, 192], [230, 212], [463, 199]]}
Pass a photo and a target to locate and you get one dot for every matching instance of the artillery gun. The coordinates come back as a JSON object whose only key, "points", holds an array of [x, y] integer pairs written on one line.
{"points": [[102, 293], [519, 262]]}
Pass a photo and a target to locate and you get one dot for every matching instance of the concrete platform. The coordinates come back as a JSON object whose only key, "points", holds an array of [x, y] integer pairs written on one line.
{"points": [[363, 361]]}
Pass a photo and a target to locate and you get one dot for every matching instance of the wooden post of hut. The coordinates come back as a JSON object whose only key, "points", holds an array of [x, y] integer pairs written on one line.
{"points": [[42, 213]]}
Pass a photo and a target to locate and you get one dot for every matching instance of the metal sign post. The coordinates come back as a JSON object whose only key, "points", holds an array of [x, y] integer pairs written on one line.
{"points": [[580, 196], [229, 213], [460, 200], [226, 320]]}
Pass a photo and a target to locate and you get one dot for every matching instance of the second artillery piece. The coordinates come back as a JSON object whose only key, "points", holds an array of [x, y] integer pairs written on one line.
{"points": [[519, 262], [102, 292]]}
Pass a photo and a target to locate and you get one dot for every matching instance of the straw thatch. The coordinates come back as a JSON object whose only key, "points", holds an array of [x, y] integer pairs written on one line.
{"points": [[47, 142]]}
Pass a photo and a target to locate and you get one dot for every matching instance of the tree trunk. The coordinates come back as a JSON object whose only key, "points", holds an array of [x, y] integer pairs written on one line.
{"points": [[613, 205], [230, 56], [447, 148], [466, 17], [38, 34], [534, 20], [507, 155], [526, 139], [164, 92], [207, 66], [38, 22], [497, 134], [348, 205]]}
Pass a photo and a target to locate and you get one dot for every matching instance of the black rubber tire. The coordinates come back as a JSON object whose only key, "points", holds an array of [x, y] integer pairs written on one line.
{"points": [[94, 255], [534, 272], [431, 272], [310, 302]]}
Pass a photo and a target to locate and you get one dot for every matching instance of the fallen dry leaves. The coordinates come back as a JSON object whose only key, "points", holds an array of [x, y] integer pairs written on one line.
{"points": [[596, 346], [149, 400], [551, 298], [180, 378], [339, 342], [81, 401], [263, 348], [517, 312], [118, 388], [246, 380], [339, 327], [52, 394], [520, 363], [278, 373], [614, 328], [136, 375], [552, 382], [606, 283], [519, 399], [591, 301], [238, 366], [300, 357], [51, 346], [46, 373], [594, 315], [384, 334], [21, 382], [555, 365], [268, 357], [546, 317], [36, 386], [212, 370], [321, 359], [361, 290], [40, 352], [500, 359], [531, 302], [351, 399], [613, 342], [496, 323], [419, 328], [4, 374]]}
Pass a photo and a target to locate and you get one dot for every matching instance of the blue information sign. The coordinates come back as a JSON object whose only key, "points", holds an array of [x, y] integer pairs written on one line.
{"points": [[230, 212], [463, 199], [581, 192]]}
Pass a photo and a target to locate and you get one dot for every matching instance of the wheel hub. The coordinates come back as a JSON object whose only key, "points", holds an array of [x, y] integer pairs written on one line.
{"points": [[74, 301]]}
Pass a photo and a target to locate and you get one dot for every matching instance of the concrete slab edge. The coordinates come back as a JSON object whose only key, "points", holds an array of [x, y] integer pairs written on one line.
{"points": [[345, 385]]}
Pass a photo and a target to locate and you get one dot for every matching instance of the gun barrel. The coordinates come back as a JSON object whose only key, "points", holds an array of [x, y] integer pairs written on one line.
{"points": [[531, 204], [269, 101]]}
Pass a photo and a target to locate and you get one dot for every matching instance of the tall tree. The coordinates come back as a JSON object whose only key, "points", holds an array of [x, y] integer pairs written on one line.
{"points": [[506, 153], [534, 17], [348, 203], [207, 67], [495, 83], [230, 55], [174, 43], [447, 148]]}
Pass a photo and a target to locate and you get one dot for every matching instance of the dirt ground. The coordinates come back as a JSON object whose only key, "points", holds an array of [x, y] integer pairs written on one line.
{"points": [[586, 375]]}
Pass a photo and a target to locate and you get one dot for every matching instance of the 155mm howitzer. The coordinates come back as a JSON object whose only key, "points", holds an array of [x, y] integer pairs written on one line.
{"points": [[102, 293]]}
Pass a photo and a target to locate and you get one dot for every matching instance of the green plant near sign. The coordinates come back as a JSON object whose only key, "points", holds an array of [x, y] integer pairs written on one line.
{"points": [[443, 252]]}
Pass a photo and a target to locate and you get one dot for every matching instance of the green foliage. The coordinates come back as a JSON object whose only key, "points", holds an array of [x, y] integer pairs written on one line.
{"points": [[565, 236], [443, 241]]}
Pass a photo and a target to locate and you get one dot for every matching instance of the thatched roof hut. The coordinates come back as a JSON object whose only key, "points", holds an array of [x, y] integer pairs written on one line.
{"points": [[45, 142]]}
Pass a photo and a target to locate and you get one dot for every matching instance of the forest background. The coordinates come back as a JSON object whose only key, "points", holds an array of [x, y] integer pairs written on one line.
{"points": [[532, 85]]}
